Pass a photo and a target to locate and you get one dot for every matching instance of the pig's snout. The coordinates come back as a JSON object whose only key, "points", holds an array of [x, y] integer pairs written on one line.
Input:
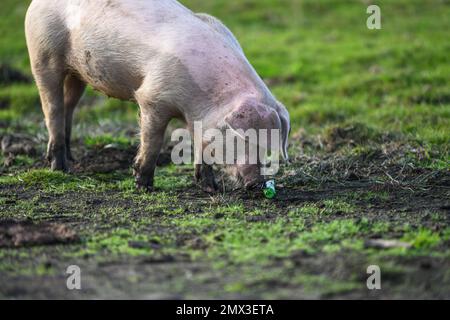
{"points": [[253, 184], [251, 176]]}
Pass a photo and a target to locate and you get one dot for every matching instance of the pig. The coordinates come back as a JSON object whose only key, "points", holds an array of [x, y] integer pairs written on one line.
{"points": [[172, 62]]}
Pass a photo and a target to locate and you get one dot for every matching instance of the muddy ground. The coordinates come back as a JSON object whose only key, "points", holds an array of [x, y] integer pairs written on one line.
{"points": [[179, 242]]}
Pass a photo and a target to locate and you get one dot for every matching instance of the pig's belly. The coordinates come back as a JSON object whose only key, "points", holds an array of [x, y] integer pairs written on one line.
{"points": [[107, 71]]}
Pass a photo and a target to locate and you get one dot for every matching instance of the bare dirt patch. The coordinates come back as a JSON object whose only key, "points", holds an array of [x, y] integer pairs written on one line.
{"points": [[377, 182], [15, 234]]}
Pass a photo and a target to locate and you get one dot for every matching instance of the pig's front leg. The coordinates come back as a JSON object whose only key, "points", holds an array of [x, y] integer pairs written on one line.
{"points": [[204, 176], [153, 124]]}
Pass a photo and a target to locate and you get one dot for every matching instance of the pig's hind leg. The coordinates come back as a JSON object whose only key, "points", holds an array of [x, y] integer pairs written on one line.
{"points": [[73, 90], [48, 44], [50, 82]]}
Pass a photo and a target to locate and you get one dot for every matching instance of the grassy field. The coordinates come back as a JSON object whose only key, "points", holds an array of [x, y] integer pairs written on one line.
{"points": [[370, 144]]}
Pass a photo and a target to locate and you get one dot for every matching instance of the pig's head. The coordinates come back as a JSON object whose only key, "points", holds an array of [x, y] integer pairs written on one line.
{"points": [[257, 116]]}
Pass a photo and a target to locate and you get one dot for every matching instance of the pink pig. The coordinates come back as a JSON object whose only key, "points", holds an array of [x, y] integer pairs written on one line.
{"points": [[172, 62]]}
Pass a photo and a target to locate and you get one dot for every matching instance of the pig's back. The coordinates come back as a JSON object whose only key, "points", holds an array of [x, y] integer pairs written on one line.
{"points": [[112, 44]]}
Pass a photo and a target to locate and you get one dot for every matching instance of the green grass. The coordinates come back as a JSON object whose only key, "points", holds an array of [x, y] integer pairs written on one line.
{"points": [[326, 208], [100, 141], [117, 242], [52, 182], [355, 96], [395, 79], [423, 238]]}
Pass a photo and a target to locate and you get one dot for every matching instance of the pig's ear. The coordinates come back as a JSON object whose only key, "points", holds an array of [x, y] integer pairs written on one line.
{"points": [[285, 129], [252, 116]]}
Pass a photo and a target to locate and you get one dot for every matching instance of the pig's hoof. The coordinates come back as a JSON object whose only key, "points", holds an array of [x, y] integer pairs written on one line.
{"points": [[69, 156], [59, 165], [58, 161], [210, 190], [144, 184], [209, 186], [144, 188]]}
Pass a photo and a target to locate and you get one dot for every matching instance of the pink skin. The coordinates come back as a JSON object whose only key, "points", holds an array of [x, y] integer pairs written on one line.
{"points": [[172, 62]]}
